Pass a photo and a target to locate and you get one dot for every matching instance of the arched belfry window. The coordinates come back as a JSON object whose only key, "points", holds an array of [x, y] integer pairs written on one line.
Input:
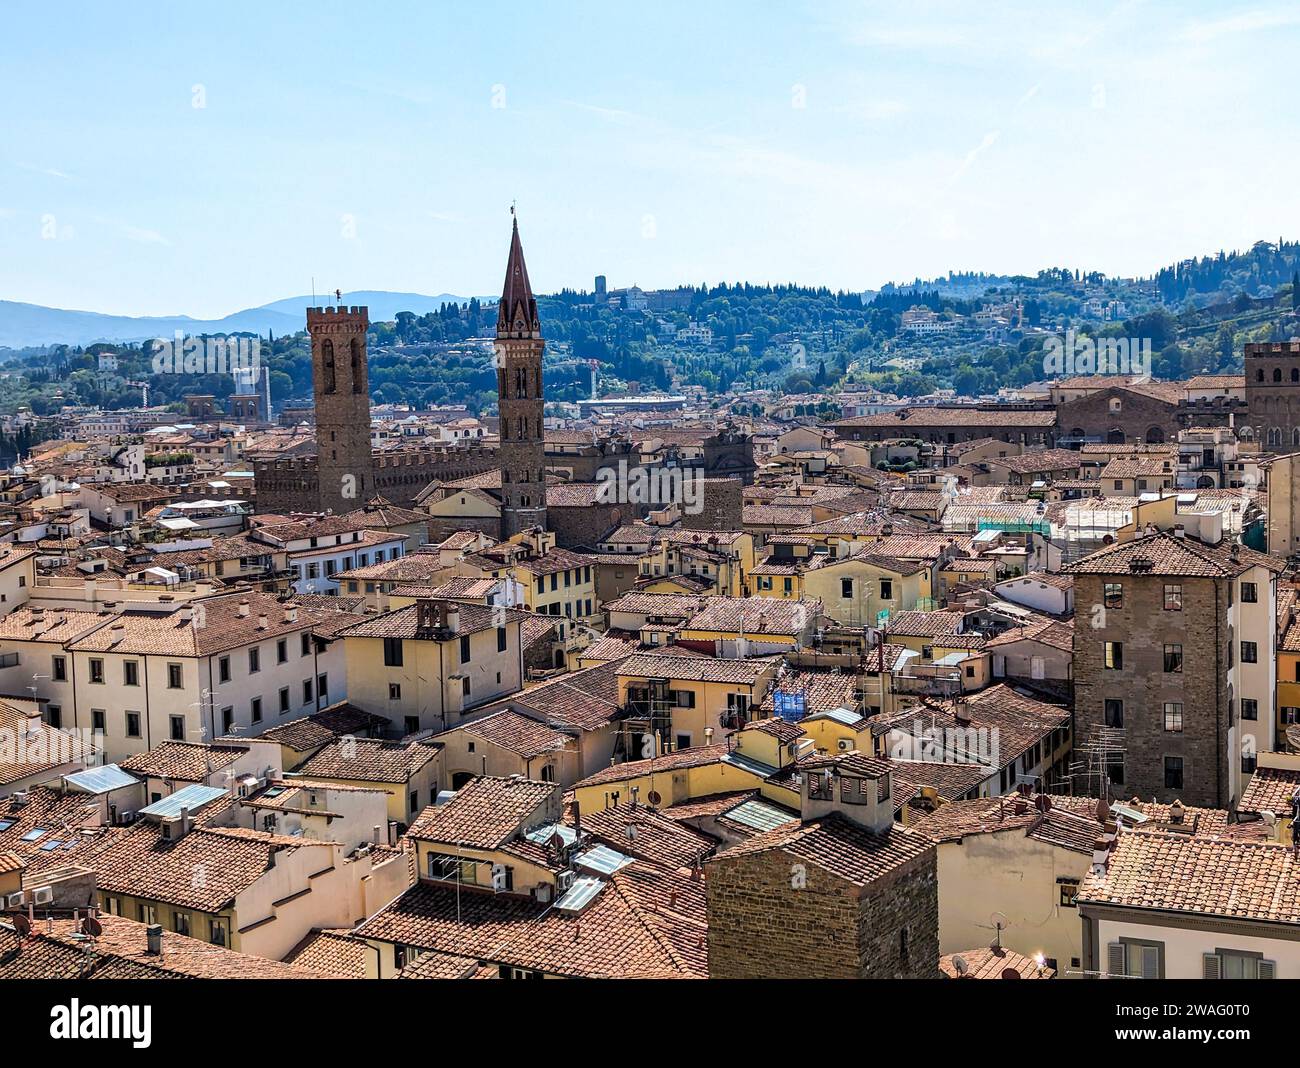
{"points": [[356, 365], [327, 364]]}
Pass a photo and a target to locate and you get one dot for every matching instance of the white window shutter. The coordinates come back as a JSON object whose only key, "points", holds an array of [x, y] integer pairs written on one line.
{"points": [[1115, 959], [1213, 966], [1268, 969]]}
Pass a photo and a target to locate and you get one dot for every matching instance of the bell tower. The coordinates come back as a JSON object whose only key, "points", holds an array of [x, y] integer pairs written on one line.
{"points": [[518, 359], [341, 386]]}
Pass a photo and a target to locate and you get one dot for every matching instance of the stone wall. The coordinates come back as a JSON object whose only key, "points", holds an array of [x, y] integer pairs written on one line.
{"points": [[761, 926], [1144, 628]]}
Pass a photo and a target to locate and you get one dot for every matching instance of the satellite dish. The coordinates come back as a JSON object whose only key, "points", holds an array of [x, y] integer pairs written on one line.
{"points": [[653, 797], [1011, 973], [998, 920], [1269, 818], [22, 925], [959, 963], [92, 927]]}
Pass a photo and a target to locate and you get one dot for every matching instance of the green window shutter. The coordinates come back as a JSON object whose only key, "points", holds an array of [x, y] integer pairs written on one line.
{"points": [[1212, 966], [1268, 969]]}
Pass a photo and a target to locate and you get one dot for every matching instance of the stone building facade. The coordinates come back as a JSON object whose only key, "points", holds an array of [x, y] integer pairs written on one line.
{"points": [[1273, 394], [518, 355], [723, 500], [341, 389], [842, 893]]}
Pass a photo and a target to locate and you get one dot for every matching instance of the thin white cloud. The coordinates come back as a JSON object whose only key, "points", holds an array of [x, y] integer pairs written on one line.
{"points": [[142, 236], [1242, 22], [987, 142]]}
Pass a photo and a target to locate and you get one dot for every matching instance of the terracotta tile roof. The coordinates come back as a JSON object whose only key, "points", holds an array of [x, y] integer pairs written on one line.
{"points": [[927, 624], [1270, 790], [64, 818], [838, 846], [321, 728], [646, 922], [403, 622], [486, 813], [369, 760], [139, 861], [55, 625], [1059, 634], [822, 690], [987, 962], [586, 699], [1141, 467], [430, 965], [694, 668], [521, 735], [332, 953], [41, 747], [951, 780], [183, 761], [755, 615], [695, 757], [1163, 553], [216, 626], [657, 839], [121, 952], [709, 805], [681, 606], [1199, 874]]}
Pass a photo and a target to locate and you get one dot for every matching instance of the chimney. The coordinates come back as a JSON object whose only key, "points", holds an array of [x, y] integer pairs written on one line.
{"points": [[1176, 812], [243, 608], [153, 939], [453, 618], [263, 621], [291, 613], [187, 613]]}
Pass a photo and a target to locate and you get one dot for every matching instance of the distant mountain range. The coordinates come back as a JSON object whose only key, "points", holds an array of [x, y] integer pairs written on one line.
{"points": [[22, 325]]}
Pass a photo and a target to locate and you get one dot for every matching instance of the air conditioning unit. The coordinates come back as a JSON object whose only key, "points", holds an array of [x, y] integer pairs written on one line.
{"points": [[543, 892], [16, 901], [126, 818], [42, 895], [563, 882], [844, 744]]}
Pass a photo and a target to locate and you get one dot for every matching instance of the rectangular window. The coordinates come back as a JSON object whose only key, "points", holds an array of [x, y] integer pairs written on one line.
{"points": [[1249, 653], [175, 678], [1249, 593], [501, 639], [97, 671], [178, 728], [323, 687], [60, 672], [1249, 708], [1114, 656], [223, 669], [254, 660], [97, 719], [306, 644], [284, 699], [1173, 659], [282, 650], [130, 673], [255, 709], [1173, 597], [1173, 773], [1114, 712], [392, 652], [846, 589], [1069, 892], [227, 719], [1174, 717], [1112, 595], [886, 589], [133, 724], [394, 691], [464, 649], [306, 691], [181, 923]]}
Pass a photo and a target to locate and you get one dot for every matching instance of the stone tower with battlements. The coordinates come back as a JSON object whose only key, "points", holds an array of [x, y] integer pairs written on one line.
{"points": [[341, 386], [518, 358]]}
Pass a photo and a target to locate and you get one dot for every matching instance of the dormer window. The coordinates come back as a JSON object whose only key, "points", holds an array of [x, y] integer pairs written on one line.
{"points": [[855, 791]]}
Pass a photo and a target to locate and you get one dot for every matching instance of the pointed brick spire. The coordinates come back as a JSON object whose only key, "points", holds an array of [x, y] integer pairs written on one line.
{"points": [[517, 312]]}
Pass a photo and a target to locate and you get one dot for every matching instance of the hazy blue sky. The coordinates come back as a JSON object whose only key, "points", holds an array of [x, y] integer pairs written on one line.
{"points": [[658, 143]]}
